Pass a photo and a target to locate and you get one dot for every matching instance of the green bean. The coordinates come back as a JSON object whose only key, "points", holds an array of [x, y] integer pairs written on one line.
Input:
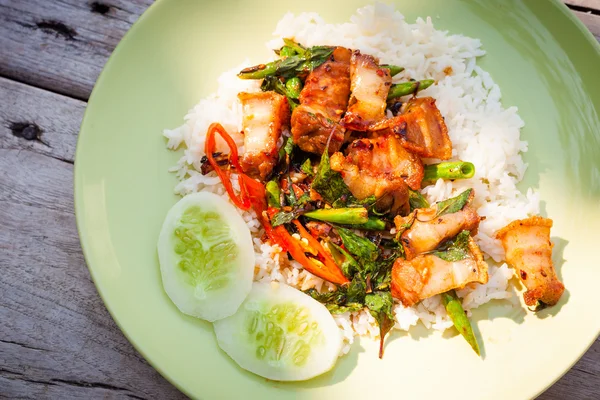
{"points": [[293, 87], [459, 318], [344, 216], [373, 224], [295, 46], [448, 170], [394, 69], [287, 51], [259, 71], [405, 88]]}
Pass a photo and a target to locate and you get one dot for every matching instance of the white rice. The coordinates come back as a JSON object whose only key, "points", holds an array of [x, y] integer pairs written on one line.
{"points": [[481, 129]]}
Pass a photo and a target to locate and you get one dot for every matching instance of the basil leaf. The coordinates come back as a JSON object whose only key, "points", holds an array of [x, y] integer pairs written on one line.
{"points": [[285, 217], [307, 168], [303, 63], [329, 184], [336, 297], [289, 146], [453, 204], [345, 299], [349, 307], [380, 306], [456, 249], [416, 200], [356, 290], [357, 245], [274, 83]]}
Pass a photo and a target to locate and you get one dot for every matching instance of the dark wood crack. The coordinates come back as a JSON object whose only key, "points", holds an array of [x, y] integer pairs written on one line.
{"points": [[584, 9], [57, 28], [25, 346]]}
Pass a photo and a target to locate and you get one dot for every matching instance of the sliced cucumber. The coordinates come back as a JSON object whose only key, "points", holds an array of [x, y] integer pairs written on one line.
{"points": [[281, 334], [206, 256]]}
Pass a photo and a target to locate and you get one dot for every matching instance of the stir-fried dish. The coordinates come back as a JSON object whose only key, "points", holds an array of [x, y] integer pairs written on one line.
{"points": [[334, 159]]}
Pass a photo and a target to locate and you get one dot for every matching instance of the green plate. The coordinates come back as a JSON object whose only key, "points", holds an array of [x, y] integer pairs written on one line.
{"points": [[545, 62]]}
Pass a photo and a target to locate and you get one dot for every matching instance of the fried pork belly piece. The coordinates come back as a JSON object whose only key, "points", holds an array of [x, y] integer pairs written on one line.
{"points": [[421, 129], [370, 85], [427, 231], [323, 101], [380, 166], [427, 275], [264, 116], [529, 250]]}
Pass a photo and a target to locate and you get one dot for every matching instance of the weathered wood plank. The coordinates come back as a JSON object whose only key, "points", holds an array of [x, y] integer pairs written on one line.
{"points": [[38, 120], [62, 45], [56, 337], [581, 382]]}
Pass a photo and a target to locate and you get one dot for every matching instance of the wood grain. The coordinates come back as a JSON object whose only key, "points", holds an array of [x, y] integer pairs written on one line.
{"points": [[62, 45], [49, 121], [57, 340]]}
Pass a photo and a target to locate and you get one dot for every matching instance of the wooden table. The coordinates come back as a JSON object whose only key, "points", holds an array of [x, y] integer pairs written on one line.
{"points": [[57, 339]]}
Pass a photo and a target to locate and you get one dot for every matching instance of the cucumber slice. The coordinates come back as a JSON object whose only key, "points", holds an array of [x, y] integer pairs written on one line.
{"points": [[206, 256], [281, 334]]}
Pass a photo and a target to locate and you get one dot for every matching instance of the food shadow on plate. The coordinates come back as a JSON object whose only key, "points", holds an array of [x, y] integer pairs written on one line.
{"points": [[341, 370], [451, 333], [559, 261]]}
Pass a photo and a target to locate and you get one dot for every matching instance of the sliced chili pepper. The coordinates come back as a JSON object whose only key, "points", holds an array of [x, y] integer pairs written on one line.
{"points": [[243, 201], [324, 255], [252, 194], [297, 190], [291, 244]]}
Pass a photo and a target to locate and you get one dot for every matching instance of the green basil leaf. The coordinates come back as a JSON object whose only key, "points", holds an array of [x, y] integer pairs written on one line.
{"points": [[357, 245], [456, 249], [453, 204]]}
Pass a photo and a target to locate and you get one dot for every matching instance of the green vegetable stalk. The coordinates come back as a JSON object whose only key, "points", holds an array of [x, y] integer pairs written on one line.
{"points": [[459, 318], [345, 216], [287, 51], [290, 66], [448, 170], [260, 71], [295, 46], [293, 87], [373, 224], [405, 88], [394, 69], [273, 194]]}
